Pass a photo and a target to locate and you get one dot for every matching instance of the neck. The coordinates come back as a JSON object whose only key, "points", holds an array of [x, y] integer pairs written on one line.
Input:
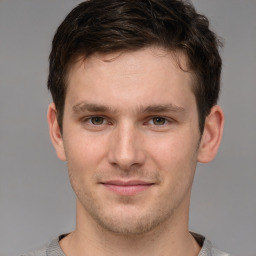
{"points": [[170, 238]]}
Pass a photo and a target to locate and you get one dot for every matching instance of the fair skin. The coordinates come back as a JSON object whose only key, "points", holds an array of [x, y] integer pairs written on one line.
{"points": [[131, 141]]}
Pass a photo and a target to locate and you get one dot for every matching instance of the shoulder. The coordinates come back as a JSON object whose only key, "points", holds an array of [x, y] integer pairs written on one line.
{"points": [[41, 252], [217, 252], [207, 249], [53, 249], [212, 251]]}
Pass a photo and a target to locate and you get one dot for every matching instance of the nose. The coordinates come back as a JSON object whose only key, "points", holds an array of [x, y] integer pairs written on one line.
{"points": [[126, 147]]}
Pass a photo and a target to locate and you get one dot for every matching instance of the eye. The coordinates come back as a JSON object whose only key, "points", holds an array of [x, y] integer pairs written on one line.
{"points": [[159, 120], [97, 120]]}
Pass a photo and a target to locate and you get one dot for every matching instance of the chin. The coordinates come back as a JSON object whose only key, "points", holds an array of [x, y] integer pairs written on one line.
{"points": [[131, 224]]}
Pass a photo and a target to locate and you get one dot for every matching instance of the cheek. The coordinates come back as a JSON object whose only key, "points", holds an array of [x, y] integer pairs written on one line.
{"points": [[84, 150], [175, 158], [172, 149], [81, 160]]}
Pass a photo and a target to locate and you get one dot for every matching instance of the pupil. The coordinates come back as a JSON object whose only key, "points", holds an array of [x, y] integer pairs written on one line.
{"points": [[97, 120], [159, 120]]}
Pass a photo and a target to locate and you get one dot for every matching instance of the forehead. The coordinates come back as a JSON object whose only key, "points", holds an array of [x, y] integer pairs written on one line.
{"points": [[150, 72], [130, 61]]}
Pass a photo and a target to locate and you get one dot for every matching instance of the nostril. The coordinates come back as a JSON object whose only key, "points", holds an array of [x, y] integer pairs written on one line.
{"points": [[125, 150], [126, 160]]}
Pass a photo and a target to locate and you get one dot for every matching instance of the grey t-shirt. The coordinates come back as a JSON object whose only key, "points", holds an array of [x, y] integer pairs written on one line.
{"points": [[53, 249]]}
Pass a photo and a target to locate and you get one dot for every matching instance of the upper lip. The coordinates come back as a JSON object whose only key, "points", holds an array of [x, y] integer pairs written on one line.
{"points": [[127, 183]]}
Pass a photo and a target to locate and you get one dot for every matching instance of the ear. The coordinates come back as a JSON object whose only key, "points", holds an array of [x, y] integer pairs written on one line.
{"points": [[55, 133], [212, 135]]}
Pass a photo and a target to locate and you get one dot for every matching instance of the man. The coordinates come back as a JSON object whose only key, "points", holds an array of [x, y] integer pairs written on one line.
{"points": [[135, 86]]}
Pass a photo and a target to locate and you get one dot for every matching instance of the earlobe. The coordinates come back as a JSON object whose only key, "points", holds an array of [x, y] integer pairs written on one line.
{"points": [[212, 135], [55, 133]]}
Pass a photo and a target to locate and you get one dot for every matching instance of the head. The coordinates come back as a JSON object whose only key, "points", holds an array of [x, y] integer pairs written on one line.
{"points": [[134, 85], [102, 26]]}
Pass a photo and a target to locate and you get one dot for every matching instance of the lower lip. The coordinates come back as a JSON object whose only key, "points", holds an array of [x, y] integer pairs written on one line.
{"points": [[128, 190]]}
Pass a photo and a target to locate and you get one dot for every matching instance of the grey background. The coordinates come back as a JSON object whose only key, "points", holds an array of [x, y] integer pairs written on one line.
{"points": [[36, 201]]}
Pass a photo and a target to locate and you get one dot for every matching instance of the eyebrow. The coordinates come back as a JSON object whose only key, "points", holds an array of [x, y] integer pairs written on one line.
{"points": [[82, 107], [97, 108], [163, 108]]}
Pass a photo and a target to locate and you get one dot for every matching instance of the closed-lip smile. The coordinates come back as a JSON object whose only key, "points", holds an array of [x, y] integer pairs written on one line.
{"points": [[128, 188]]}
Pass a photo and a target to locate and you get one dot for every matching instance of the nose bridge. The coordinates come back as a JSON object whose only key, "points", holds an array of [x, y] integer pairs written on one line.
{"points": [[126, 149]]}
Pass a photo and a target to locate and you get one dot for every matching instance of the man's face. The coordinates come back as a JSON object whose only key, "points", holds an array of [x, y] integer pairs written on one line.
{"points": [[131, 139]]}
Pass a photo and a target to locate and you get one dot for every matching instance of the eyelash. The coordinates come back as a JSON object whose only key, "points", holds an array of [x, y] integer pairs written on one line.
{"points": [[89, 120], [150, 121], [164, 119]]}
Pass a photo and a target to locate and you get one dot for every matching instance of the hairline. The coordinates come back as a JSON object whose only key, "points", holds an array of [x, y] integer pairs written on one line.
{"points": [[175, 52]]}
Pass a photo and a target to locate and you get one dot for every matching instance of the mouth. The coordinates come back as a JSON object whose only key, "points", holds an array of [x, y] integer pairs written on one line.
{"points": [[127, 188]]}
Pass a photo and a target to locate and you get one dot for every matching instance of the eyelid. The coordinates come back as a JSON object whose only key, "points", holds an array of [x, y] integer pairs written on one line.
{"points": [[88, 119], [168, 120]]}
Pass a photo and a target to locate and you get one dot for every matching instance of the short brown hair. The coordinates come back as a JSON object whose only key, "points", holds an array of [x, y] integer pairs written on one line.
{"points": [[103, 26]]}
